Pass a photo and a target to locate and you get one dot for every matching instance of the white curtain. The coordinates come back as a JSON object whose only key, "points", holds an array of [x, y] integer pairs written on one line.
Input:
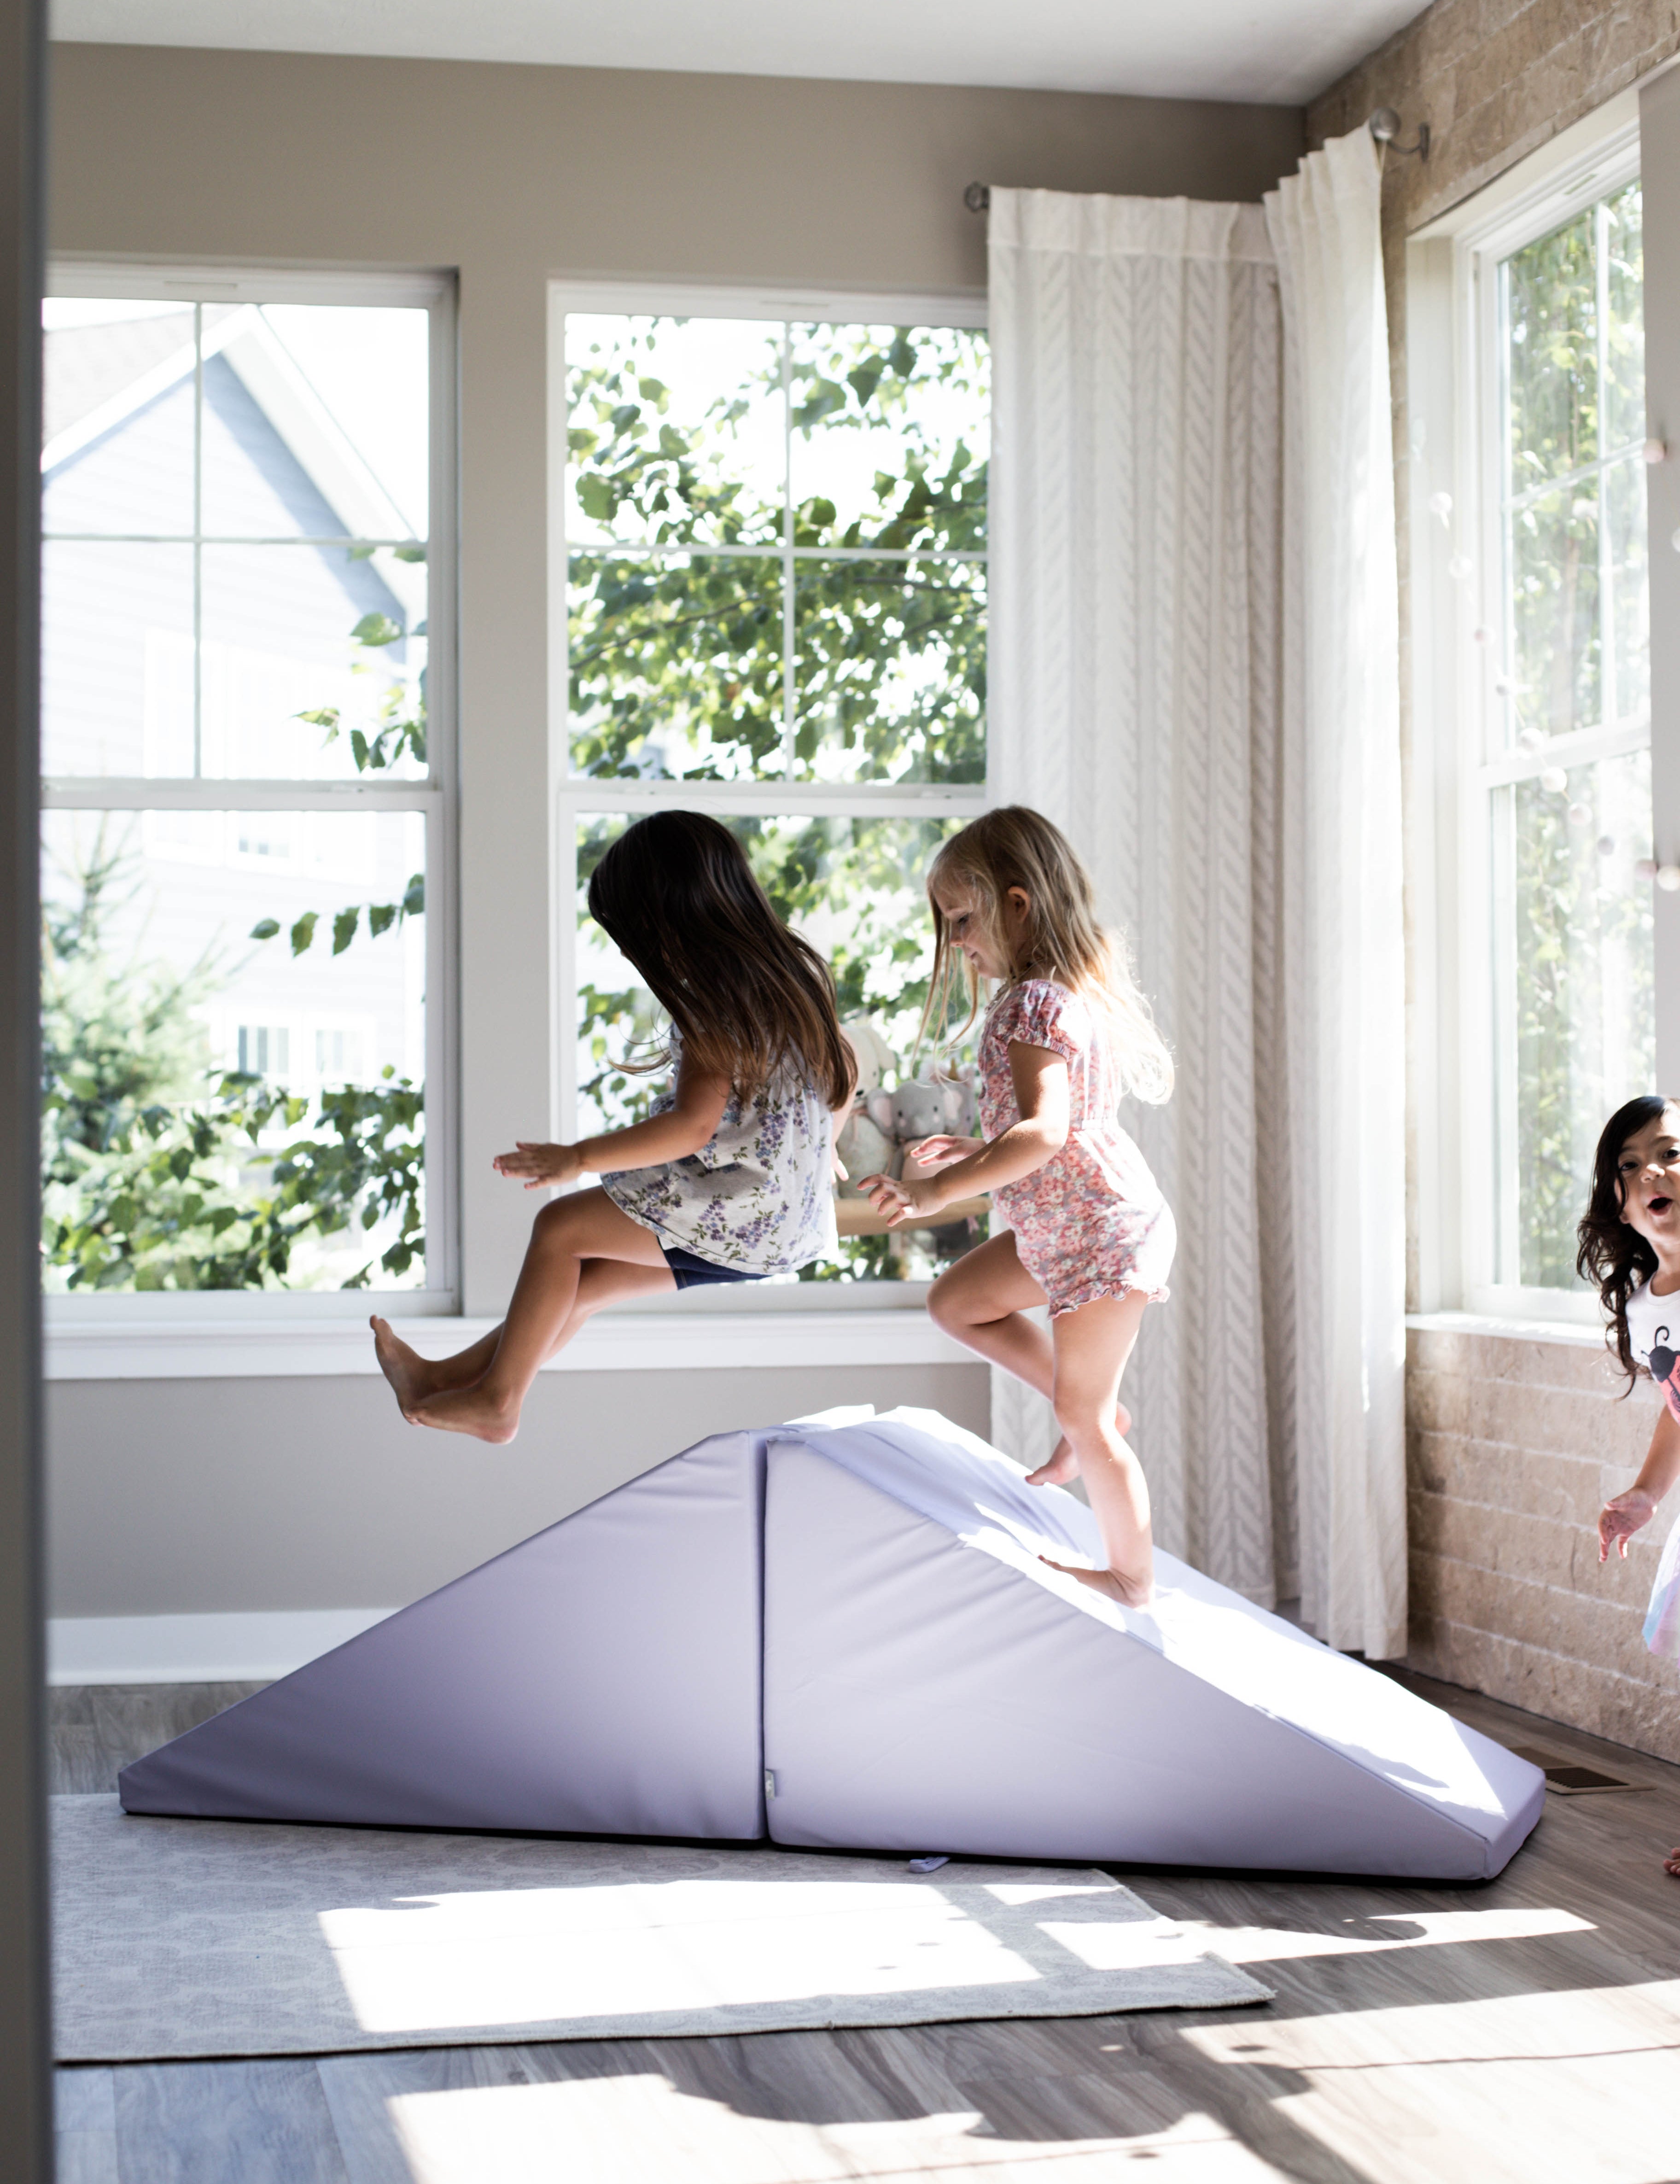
{"points": [[1162, 623], [1341, 938]]}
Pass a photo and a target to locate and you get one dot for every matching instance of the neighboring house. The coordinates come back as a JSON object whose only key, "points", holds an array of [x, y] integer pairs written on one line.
{"points": [[181, 640]]}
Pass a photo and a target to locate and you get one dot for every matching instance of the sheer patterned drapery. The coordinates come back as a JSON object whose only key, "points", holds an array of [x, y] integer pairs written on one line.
{"points": [[1149, 694]]}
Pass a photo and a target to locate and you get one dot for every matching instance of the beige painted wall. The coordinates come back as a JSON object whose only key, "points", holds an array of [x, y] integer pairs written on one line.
{"points": [[218, 1496], [1513, 1445], [205, 1496]]}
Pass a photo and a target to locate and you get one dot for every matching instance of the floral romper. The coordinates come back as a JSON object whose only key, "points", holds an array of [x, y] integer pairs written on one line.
{"points": [[1092, 1221]]}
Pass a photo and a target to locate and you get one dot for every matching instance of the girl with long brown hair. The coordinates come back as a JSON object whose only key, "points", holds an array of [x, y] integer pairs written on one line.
{"points": [[1066, 1036], [730, 1178], [1629, 1241]]}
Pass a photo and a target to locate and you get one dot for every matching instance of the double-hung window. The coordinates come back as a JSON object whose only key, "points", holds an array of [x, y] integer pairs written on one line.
{"points": [[247, 837], [769, 572], [1537, 538]]}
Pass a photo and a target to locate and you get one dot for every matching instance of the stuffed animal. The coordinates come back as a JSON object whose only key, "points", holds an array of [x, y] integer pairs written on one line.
{"points": [[863, 1147], [917, 1111]]}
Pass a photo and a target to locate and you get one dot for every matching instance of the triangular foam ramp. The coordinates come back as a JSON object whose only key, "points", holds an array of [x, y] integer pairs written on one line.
{"points": [[601, 1678], [930, 1685]]}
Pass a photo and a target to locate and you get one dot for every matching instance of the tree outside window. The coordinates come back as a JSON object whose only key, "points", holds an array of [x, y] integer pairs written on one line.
{"points": [[776, 538]]}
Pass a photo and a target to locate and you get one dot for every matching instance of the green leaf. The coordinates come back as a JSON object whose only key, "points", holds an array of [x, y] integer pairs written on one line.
{"points": [[359, 749], [265, 928], [865, 379], [596, 496], [360, 554], [416, 552], [304, 932], [413, 897], [321, 717], [377, 629], [344, 929], [381, 917]]}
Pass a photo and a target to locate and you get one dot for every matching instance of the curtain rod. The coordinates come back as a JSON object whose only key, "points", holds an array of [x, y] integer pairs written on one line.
{"points": [[1384, 125]]}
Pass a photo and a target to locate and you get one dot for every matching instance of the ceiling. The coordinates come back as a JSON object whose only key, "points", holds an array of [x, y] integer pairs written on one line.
{"points": [[1273, 51]]}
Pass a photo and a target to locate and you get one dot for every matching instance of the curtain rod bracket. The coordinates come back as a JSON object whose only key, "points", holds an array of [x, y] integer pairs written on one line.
{"points": [[1385, 126], [977, 197]]}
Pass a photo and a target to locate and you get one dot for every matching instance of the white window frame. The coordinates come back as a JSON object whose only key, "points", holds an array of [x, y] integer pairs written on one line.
{"points": [[1454, 445], [577, 794], [196, 1329]]}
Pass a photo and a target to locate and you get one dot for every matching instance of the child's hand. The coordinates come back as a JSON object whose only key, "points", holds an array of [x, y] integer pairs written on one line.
{"points": [[899, 1197], [1621, 1516], [942, 1152], [541, 1165]]}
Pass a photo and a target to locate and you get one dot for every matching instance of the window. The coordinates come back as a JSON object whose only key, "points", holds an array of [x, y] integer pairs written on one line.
{"points": [[1534, 535], [245, 739], [770, 604]]}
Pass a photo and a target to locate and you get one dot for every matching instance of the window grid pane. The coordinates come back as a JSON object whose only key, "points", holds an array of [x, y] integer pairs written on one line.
{"points": [[1571, 910], [866, 448], [265, 413], [236, 1001]]}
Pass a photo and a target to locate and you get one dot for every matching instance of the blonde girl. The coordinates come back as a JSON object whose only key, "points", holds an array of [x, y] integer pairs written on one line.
{"points": [[1066, 1036], [730, 1178]]}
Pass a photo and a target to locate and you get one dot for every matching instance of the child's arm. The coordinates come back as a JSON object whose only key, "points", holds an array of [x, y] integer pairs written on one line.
{"points": [[1624, 1514], [1041, 1098], [684, 1128]]}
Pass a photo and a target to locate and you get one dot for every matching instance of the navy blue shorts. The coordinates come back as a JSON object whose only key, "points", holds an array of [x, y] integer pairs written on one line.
{"points": [[693, 1271]]}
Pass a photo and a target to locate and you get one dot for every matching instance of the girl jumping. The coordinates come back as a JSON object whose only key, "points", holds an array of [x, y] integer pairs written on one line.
{"points": [[1065, 1037], [730, 1179], [1630, 1246]]}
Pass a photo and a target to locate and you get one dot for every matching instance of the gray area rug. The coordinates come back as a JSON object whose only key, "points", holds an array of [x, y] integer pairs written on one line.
{"points": [[179, 1938]]}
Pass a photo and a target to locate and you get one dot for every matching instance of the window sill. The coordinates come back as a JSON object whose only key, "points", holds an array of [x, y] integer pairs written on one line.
{"points": [[631, 1341], [1572, 1333]]}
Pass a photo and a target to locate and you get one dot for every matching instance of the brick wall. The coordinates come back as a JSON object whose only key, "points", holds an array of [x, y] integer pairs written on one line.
{"points": [[1494, 78], [1513, 1446]]}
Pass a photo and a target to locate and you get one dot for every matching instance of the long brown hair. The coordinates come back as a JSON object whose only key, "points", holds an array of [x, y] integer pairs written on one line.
{"points": [[1611, 1254], [1016, 847], [749, 999]]}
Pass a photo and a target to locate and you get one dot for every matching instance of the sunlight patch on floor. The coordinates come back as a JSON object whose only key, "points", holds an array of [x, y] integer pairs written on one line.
{"points": [[571, 1955], [625, 2130], [1436, 2092], [1387, 1929]]}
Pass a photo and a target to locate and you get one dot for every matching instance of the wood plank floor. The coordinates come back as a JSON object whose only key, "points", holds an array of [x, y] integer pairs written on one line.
{"points": [[1518, 2033]]}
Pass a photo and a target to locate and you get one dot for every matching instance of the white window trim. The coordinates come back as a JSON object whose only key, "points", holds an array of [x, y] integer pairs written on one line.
{"points": [[90, 1336], [1449, 316], [575, 794]]}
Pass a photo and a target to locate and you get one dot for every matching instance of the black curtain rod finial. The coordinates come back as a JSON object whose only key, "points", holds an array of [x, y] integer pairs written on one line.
{"points": [[977, 197]]}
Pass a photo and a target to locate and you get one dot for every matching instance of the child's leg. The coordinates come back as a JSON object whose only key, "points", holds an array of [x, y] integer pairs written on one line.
{"points": [[1092, 1346], [981, 1302], [414, 1378], [567, 1235]]}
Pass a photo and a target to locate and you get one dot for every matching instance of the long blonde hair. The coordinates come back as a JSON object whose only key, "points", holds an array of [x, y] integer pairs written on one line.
{"points": [[1063, 941]]}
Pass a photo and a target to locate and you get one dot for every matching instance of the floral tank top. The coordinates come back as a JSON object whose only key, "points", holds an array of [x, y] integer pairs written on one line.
{"points": [[759, 1197]]}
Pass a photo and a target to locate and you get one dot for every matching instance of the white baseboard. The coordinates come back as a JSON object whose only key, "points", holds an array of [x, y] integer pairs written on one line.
{"points": [[197, 1649]]}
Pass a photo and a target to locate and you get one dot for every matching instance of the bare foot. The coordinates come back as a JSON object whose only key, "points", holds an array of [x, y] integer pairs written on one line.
{"points": [[1672, 1863], [1114, 1585], [405, 1368], [468, 1411], [1064, 1464]]}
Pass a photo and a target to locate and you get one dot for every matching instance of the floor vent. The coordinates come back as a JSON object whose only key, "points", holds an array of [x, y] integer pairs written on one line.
{"points": [[1568, 1778]]}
